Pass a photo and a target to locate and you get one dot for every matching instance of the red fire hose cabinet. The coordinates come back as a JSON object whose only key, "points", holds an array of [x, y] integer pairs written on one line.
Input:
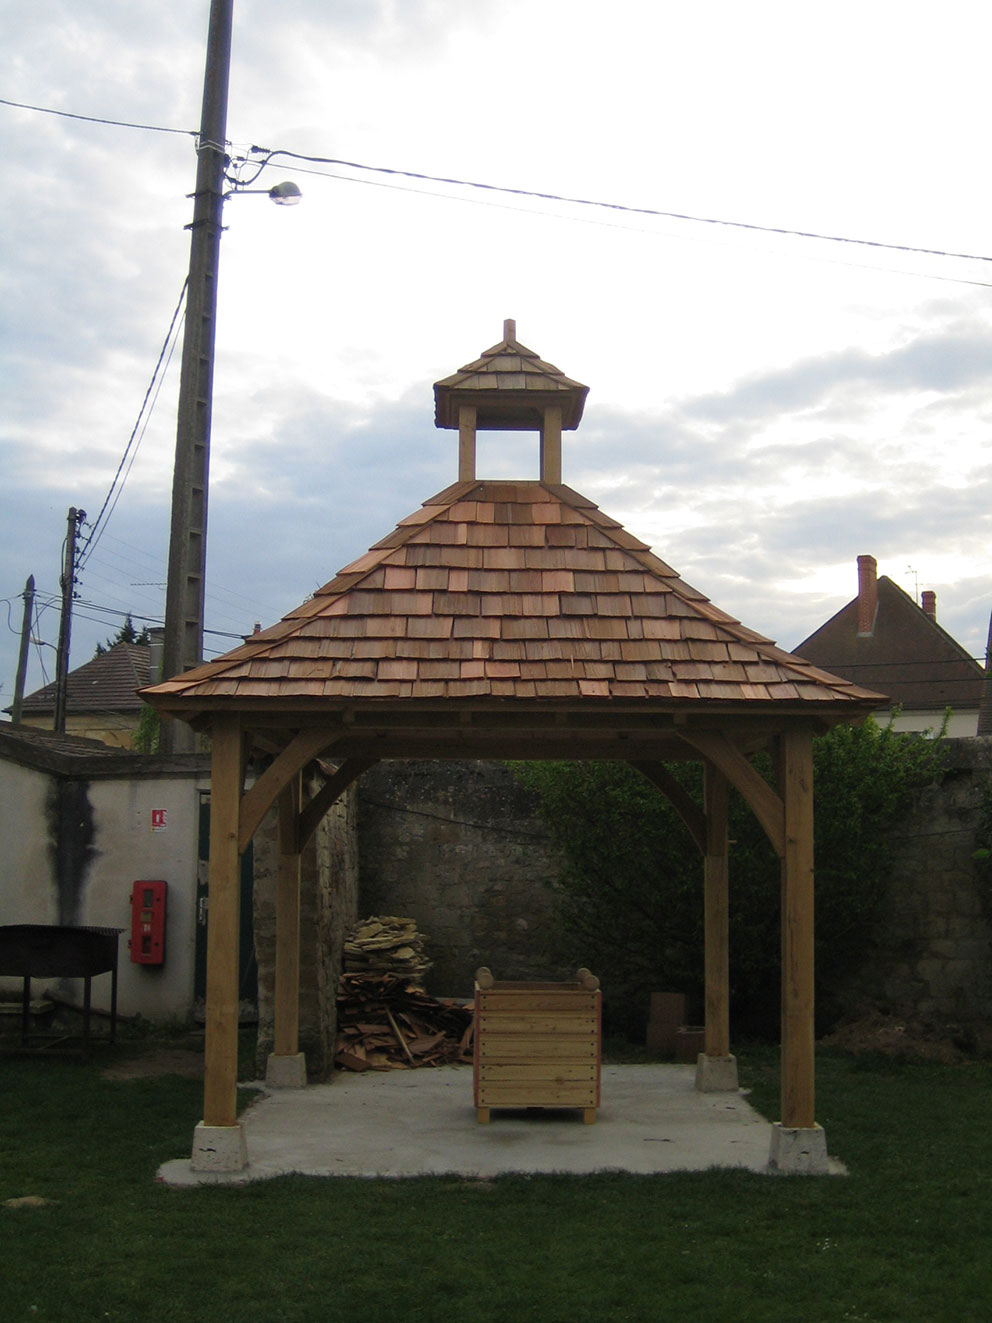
{"points": [[537, 1044]]}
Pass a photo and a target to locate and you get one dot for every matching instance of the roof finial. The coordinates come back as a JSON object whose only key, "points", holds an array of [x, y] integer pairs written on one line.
{"points": [[509, 329]]}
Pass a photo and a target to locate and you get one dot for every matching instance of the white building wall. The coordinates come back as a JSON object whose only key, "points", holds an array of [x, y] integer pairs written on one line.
{"points": [[27, 882], [127, 846]]}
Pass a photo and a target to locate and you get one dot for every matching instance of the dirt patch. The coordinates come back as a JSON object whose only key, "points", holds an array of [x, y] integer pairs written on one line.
{"points": [[154, 1061], [910, 1039]]}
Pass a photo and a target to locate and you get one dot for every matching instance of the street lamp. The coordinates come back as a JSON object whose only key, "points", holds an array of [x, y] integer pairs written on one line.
{"points": [[285, 194]]}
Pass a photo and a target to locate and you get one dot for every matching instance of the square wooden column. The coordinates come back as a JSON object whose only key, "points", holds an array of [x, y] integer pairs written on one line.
{"points": [[716, 916], [551, 445], [797, 931], [716, 1069], [218, 1143], [286, 1067], [466, 442], [798, 1143]]}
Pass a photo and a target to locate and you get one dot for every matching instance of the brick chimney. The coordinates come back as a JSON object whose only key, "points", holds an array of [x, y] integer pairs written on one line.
{"points": [[928, 600], [867, 594]]}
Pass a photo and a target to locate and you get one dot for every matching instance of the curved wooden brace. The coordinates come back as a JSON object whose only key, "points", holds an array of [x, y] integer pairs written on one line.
{"points": [[309, 819], [766, 805], [683, 803], [256, 802]]}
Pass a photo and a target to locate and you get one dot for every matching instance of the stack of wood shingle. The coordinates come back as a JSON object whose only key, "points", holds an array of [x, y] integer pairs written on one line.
{"points": [[385, 943], [385, 1018], [385, 1022]]}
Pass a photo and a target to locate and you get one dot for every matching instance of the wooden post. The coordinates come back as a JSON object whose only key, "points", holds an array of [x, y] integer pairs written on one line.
{"points": [[551, 445], [796, 785], [220, 1070], [287, 974], [716, 919], [466, 443]]}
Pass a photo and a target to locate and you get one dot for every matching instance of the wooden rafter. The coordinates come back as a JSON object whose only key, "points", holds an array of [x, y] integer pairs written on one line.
{"points": [[256, 802], [765, 803], [313, 812], [683, 803]]}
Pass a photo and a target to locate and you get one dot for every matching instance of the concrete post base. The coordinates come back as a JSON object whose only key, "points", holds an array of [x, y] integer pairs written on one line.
{"points": [[802, 1152], [716, 1074], [286, 1072], [219, 1148]]}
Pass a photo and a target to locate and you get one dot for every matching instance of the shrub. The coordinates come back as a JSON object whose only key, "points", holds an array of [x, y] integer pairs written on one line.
{"points": [[630, 895]]}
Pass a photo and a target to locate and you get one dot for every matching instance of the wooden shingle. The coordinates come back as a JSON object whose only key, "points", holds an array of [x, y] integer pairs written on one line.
{"points": [[456, 605]]}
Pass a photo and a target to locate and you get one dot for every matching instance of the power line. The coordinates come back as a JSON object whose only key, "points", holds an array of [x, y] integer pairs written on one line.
{"points": [[270, 154], [619, 225], [95, 531], [96, 119]]}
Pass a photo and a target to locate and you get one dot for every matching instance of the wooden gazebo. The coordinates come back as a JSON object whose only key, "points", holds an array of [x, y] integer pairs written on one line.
{"points": [[510, 620]]}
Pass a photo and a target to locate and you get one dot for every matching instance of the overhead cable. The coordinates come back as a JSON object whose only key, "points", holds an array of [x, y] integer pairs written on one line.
{"points": [[96, 119], [89, 546], [270, 154]]}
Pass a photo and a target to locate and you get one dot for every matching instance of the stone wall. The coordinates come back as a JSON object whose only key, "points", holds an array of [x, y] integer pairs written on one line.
{"points": [[458, 847], [933, 953]]}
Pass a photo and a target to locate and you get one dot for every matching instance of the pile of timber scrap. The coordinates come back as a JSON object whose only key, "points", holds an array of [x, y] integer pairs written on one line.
{"points": [[385, 1022], [384, 943]]}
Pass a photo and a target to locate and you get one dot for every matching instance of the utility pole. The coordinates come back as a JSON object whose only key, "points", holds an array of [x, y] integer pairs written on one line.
{"points": [[22, 657], [183, 642], [68, 584]]}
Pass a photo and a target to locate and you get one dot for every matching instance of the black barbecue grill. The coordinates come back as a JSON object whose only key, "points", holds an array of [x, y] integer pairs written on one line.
{"points": [[37, 950]]}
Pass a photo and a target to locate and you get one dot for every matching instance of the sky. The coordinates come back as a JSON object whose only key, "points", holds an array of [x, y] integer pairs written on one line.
{"points": [[763, 407]]}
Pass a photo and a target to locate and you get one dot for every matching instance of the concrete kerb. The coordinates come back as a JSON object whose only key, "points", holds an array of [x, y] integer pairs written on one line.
{"points": [[422, 1123]]}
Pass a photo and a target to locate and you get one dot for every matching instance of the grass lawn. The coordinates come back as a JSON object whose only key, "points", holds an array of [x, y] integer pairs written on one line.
{"points": [[907, 1236]]}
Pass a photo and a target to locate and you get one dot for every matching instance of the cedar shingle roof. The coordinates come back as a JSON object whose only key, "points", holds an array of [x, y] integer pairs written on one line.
{"points": [[500, 590], [105, 684], [510, 385]]}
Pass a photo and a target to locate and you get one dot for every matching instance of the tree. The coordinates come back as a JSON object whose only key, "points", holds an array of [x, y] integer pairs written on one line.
{"points": [[126, 634], [630, 896]]}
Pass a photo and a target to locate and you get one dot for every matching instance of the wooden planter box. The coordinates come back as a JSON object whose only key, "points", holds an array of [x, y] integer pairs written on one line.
{"points": [[537, 1044]]}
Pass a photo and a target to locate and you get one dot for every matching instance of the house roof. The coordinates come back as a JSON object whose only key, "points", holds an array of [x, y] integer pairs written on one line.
{"points": [[906, 654], [105, 684], [497, 591]]}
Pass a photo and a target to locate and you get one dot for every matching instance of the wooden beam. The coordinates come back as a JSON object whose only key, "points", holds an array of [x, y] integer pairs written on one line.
{"points": [[287, 963], [683, 803], [797, 931], [220, 1067], [349, 771], [260, 798], [765, 803], [716, 912]]}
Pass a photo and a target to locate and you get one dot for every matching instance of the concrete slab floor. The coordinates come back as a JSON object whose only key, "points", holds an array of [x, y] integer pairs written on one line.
{"points": [[422, 1123]]}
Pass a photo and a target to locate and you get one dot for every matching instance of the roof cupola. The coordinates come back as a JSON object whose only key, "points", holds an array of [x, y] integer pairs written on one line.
{"points": [[509, 389]]}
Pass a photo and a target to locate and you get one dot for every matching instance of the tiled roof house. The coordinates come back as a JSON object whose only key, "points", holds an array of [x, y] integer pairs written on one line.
{"points": [[101, 696], [883, 640]]}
